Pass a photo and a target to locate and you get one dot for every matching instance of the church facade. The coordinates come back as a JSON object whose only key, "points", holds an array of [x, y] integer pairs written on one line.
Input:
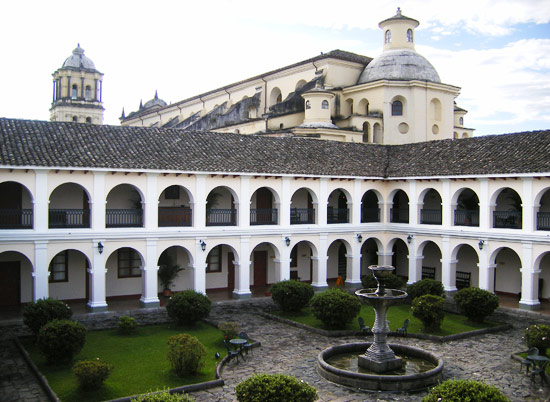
{"points": [[89, 212]]}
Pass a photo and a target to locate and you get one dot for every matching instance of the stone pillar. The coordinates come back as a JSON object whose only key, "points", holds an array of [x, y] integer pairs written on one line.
{"points": [[323, 202], [199, 277], [486, 270], [244, 203], [485, 213], [385, 211], [413, 203], [356, 205], [446, 207], [41, 201], [242, 271], [353, 274], [40, 273], [384, 258], [151, 203], [99, 202], [415, 263], [319, 280], [97, 274], [149, 276], [448, 266], [284, 262], [199, 208], [284, 207], [528, 211], [529, 280]]}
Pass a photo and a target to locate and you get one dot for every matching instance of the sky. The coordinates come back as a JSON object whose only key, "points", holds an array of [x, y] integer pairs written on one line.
{"points": [[497, 52]]}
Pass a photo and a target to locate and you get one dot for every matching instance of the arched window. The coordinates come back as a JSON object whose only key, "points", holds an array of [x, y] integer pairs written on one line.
{"points": [[74, 92], [88, 120], [88, 92], [279, 98], [308, 104], [281, 126], [388, 36], [324, 104], [397, 108], [461, 121], [409, 35], [75, 119]]}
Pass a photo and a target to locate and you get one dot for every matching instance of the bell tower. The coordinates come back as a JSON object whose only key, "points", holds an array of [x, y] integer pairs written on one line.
{"points": [[77, 91]]}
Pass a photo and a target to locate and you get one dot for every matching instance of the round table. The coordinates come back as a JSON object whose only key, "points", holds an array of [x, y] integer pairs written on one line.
{"points": [[239, 343]]}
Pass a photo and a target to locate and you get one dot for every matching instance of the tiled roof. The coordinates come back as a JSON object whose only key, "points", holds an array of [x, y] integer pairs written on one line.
{"points": [[74, 145]]}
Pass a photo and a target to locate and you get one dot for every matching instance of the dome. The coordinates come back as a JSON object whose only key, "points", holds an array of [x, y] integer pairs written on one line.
{"points": [[401, 65], [154, 102], [78, 60]]}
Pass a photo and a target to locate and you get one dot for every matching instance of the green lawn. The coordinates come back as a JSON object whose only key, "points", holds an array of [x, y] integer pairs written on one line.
{"points": [[452, 323], [139, 361]]}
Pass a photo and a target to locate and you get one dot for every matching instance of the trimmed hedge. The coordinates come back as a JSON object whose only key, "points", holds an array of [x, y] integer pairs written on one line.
{"points": [[291, 295], [392, 282], [425, 287], [38, 313], [91, 374], [274, 388], [188, 307], [60, 340], [185, 354], [475, 303], [429, 310], [464, 390], [538, 336], [163, 396], [335, 308], [126, 325]]}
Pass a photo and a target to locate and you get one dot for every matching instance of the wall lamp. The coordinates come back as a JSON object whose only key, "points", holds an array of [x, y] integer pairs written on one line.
{"points": [[203, 245], [287, 241], [409, 238], [100, 247], [359, 237], [480, 244]]}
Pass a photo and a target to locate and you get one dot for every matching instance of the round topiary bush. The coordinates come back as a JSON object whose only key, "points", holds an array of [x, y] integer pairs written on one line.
{"points": [[188, 307], [538, 336], [42, 311], [392, 282], [425, 287], [185, 354], [274, 388], [335, 308], [91, 374], [163, 396], [475, 303], [291, 295], [464, 390], [126, 325], [60, 340], [429, 310]]}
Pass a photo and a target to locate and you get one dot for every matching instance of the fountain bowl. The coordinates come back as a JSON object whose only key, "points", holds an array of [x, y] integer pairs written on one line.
{"points": [[379, 382]]}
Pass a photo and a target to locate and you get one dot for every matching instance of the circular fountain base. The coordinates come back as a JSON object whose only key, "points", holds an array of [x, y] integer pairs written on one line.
{"points": [[380, 382]]}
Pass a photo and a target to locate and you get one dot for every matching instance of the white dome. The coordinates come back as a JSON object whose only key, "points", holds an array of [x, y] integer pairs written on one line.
{"points": [[78, 60], [400, 65]]}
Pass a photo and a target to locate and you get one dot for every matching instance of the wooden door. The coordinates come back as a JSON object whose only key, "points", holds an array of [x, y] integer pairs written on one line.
{"points": [[230, 271], [264, 204], [10, 283], [260, 268]]}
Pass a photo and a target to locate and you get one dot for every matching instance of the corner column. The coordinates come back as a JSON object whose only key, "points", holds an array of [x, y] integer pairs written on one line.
{"points": [[149, 297], [97, 274], [40, 273], [242, 271]]}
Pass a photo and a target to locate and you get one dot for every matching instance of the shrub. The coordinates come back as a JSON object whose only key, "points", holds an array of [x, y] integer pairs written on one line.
{"points": [[429, 310], [188, 307], [392, 282], [42, 311], [91, 374], [476, 304], [538, 336], [127, 325], [425, 287], [60, 340], [464, 390], [185, 354], [291, 295], [230, 329], [163, 396], [274, 388], [335, 308]]}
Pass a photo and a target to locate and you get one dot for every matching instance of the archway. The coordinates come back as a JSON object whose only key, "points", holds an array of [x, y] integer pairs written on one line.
{"points": [[69, 278], [175, 207], [124, 207], [220, 207], [302, 209], [69, 207], [179, 256], [16, 279], [507, 275], [16, 206], [123, 277]]}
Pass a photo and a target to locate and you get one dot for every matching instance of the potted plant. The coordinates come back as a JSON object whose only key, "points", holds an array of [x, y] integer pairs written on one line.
{"points": [[167, 273]]}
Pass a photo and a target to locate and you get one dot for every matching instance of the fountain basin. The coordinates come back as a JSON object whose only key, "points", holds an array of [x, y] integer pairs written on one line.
{"points": [[380, 382]]}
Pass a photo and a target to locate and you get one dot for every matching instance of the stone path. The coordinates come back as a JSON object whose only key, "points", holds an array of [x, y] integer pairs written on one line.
{"points": [[289, 350]]}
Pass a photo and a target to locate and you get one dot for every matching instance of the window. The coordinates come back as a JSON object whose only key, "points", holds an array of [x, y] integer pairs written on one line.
{"points": [[279, 98], [88, 120], [59, 269], [409, 35], [75, 119], [308, 104], [214, 260], [397, 108], [88, 93], [324, 104], [129, 263], [172, 193], [461, 121], [74, 92], [388, 36]]}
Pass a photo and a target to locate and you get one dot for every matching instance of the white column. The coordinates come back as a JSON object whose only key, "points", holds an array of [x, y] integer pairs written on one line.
{"points": [[415, 263], [448, 266], [413, 203], [99, 202], [353, 273], [149, 276], [384, 258], [199, 277], [486, 270], [528, 214], [97, 273], [41, 201], [151, 203], [40, 273], [385, 211], [199, 207], [485, 213], [284, 262], [323, 202], [319, 279], [356, 206], [242, 271], [446, 207], [244, 202], [284, 207], [529, 280]]}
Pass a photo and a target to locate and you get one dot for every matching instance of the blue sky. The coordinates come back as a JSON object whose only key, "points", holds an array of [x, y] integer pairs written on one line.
{"points": [[497, 52]]}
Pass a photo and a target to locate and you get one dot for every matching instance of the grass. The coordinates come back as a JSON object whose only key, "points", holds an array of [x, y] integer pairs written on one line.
{"points": [[452, 323], [139, 361]]}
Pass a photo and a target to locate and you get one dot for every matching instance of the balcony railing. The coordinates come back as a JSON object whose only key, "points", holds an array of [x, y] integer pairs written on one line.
{"points": [[399, 215], [300, 216], [337, 215], [264, 216], [16, 218], [221, 217], [507, 219], [543, 221], [430, 216], [175, 216], [124, 218], [68, 218], [370, 215], [464, 217]]}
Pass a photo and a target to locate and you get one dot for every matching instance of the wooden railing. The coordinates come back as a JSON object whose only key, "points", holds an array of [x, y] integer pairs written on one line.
{"points": [[543, 220], [68, 218], [399, 215], [300, 216], [507, 219], [430, 216], [464, 217], [221, 217], [175, 216], [264, 216], [16, 218], [337, 215], [124, 218], [370, 215]]}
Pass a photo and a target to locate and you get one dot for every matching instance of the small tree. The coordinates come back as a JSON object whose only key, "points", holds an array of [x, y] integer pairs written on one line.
{"points": [[185, 354], [429, 310], [335, 308], [291, 295], [476, 304], [425, 287], [42, 311], [91, 374], [168, 272], [60, 340], [188, 307], [126, 325], [274, 388]]}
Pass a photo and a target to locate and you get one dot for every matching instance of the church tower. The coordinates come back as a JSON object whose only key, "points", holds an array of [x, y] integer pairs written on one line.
{"points": [[77, 91]]}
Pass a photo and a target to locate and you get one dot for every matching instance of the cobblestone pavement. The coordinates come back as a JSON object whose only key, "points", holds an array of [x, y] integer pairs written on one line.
{"points": [[289, 350]]}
